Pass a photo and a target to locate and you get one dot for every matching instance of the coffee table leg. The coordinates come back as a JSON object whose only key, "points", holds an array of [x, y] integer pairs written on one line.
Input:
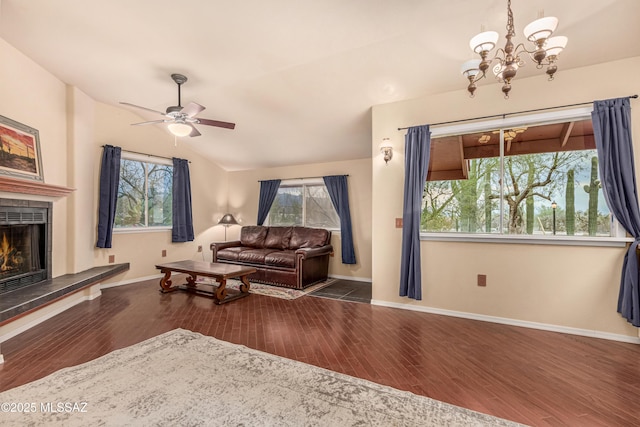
{"points": [[165, 282], [221, 291], [191, 280], [244, 288]]}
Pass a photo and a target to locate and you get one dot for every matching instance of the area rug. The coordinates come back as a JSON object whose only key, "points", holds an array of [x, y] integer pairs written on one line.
{"points": [[272, 291], [182, 378]]}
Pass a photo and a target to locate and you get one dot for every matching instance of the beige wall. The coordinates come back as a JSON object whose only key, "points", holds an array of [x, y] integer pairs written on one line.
{"points": [[72, 129], [568, 286], [34, 97], [244, 191], [143, 250]]}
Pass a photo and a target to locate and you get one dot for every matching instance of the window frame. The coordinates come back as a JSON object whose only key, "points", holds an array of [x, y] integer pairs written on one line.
{"points": [[302, 182], [618, 236], [144, 158]]}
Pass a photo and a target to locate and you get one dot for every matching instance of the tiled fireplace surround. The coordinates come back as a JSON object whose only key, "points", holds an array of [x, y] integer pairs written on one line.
{"points": [[26, 306]]}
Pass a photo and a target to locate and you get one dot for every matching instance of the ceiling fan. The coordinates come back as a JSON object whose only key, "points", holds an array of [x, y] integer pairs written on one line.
{"points": [[180, 119]]}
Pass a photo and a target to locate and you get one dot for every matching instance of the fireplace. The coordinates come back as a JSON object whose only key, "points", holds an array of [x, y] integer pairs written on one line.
{"points": [[25, 243]]}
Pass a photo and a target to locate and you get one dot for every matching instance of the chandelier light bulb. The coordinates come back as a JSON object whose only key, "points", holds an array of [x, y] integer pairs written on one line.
{"points": [[540, 29], [555, 45], [471, 68], [484, 41]]}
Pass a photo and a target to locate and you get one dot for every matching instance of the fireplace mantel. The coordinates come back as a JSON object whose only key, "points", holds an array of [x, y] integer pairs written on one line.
{"points": [[23, 186]]}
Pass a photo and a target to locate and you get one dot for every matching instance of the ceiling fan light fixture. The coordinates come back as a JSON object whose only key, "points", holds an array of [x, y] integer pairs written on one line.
{"points": [[179, 129]]}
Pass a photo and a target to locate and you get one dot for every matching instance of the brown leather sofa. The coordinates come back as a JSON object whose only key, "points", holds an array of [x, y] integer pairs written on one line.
{"points": [[295, 257]]}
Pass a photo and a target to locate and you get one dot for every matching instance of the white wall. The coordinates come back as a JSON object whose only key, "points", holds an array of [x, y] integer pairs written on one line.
{"points": [[573, 287]]}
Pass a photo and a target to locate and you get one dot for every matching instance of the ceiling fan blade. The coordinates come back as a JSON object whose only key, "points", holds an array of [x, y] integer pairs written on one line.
{"points": [[148, 123], [225, 125], [192, 109], [143, 108], [194, 131]]}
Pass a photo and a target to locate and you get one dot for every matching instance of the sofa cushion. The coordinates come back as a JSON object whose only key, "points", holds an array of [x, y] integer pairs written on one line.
{"points": [[253, 236], [231, 254], [255, 256], [304, 237], [286, 258], [278, 238]]}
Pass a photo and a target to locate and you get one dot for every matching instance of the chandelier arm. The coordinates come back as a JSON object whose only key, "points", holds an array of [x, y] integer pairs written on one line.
{"points": [[497, 55], [524, 49]]}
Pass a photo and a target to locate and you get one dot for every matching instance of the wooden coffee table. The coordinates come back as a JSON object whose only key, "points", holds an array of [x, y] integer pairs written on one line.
{"points": [[218, 271]]}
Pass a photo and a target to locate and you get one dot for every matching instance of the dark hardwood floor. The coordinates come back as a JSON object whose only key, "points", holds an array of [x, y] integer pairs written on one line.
{"points": [[533, 377]]}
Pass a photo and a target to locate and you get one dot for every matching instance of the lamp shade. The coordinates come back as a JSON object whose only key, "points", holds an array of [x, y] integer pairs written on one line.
{"points": [[541, 28], [227, 220], [180, 129], [484, 41], [555, 45], [470, 68]]}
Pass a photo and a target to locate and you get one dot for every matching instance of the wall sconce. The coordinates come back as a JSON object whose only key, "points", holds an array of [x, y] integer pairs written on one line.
{"points": [[227, 220], [386, 149]]}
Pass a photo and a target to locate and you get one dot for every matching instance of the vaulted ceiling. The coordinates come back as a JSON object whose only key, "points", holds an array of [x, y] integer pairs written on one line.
{"points": [[298, 77]]}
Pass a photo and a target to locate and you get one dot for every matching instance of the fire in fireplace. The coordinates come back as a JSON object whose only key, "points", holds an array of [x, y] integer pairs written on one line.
{"points": [[25, 250], [19, 252]]}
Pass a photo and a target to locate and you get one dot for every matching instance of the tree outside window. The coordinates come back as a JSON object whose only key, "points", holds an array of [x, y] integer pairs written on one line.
{"points": [[144, 195], [306, 205], [474, 188]]}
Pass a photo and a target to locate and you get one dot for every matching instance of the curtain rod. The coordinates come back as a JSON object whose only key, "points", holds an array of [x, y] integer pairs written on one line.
{"points": [[510, 114], [148, 155], [306, 177]]}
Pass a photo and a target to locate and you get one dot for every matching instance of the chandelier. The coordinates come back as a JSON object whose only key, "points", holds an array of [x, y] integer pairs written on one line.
{"points": [[544, 52]]}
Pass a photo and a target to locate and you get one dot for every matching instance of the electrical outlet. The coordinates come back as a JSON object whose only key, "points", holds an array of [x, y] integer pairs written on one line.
{"points": [[112, 259], [199, 248], [482, 280], [398, 222], [164, 252]]}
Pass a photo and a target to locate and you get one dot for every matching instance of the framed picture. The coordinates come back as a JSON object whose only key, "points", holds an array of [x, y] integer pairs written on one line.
{"points": [[19, 150]]}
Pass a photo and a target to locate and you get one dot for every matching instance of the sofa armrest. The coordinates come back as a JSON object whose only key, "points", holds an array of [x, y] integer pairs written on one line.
{"points": [[215, 247], [305, 253], [224, 245]]}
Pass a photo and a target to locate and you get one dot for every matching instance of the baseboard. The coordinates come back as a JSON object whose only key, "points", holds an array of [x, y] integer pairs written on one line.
{"points": [[512, 322], [355, 279]]}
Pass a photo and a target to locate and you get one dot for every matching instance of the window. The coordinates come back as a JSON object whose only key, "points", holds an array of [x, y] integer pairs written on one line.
{"points": [[304, 203], [526, 177], [144, 193]]}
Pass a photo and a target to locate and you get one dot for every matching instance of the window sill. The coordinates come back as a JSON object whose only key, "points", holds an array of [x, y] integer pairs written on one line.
{"points": [[527, 239], [133, 230]]}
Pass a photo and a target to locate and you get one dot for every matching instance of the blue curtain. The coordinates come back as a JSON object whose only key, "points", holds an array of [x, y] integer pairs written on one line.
{"points": [[268, 192], [417, 145], [109, 181], [612, 131], [339, 193], [182, 230]]}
